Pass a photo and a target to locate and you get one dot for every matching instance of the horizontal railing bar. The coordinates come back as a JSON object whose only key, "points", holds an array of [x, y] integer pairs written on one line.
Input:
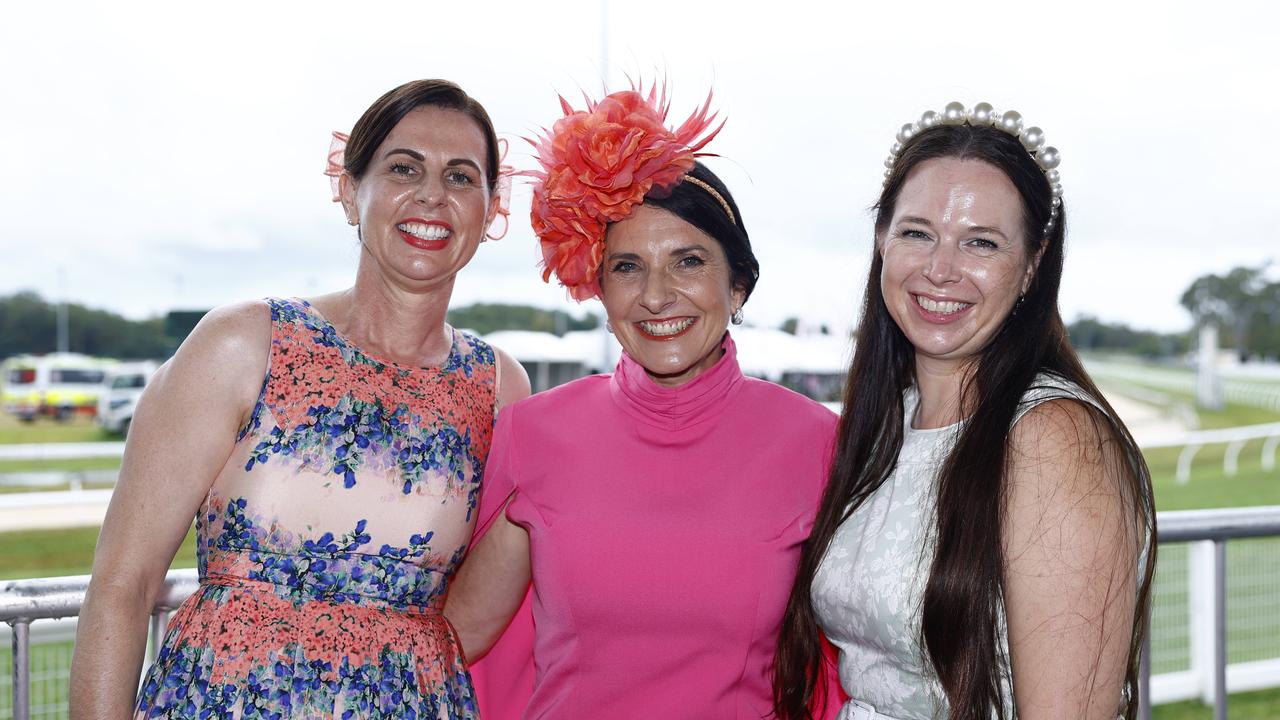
{"points": [[62, 597], [1205, 437], [1218, 524], [45, 598]]}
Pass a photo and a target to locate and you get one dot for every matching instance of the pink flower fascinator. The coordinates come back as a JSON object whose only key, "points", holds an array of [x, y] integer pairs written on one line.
{"points": [[597, 165]]}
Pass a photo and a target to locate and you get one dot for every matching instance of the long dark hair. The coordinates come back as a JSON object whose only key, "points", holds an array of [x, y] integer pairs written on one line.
{"points": [[965, 588]]}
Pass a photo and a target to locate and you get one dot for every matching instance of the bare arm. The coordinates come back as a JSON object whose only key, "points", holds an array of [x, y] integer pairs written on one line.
{"points": [[183, 432], [513, 381], [1072, 535], [489, 587], [491, 583]]}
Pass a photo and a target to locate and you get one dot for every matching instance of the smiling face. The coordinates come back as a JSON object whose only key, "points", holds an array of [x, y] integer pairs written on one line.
{"points": [[668, 294], [423, 203], [955, 258]]}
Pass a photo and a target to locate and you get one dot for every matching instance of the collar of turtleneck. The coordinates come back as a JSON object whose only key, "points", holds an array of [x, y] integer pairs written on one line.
{"points": [[675, 408]]}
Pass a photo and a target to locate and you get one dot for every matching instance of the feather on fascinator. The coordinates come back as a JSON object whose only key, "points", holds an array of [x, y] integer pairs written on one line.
{"points": [[597, 165], [336, 163]]}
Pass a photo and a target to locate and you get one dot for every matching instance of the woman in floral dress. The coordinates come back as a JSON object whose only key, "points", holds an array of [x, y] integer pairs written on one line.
{"points": [[331, 451]]}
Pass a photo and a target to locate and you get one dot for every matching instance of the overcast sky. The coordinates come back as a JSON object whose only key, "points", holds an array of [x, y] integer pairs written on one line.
{"points": [[163, 155]]}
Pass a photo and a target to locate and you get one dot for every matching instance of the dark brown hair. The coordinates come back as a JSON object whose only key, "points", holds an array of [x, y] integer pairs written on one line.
{"points": [[693, 204], [383, 115], [964, 593]]}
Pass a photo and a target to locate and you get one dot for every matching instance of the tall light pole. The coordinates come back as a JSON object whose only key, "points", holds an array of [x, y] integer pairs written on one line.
{"points": [[64, 340]]}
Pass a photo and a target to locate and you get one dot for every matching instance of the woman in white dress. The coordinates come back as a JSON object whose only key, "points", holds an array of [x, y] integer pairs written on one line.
{"points": [[984, 547]]}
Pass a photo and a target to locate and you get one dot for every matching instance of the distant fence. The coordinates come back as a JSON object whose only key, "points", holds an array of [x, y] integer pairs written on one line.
{"points": [[62, 451], [72, 479], [1237, 387], [1234, 438]]}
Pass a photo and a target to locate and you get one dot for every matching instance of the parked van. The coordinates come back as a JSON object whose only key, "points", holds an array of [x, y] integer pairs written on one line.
{"points": [[121, 389], [58, 385]]}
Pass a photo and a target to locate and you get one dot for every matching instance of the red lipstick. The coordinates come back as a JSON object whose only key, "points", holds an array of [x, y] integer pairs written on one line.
{"points": [[421, 243]]}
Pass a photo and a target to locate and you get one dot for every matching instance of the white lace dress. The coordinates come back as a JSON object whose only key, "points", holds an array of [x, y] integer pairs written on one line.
{"points": [[868, 589]]}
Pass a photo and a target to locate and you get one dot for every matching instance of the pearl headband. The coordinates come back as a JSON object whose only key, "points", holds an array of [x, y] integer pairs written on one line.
{"points": [[982, 114]]}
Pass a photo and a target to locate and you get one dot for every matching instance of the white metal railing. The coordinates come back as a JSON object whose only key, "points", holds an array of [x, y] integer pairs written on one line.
{"points": [[22, 601], [1214, 527], [1235, 439]]}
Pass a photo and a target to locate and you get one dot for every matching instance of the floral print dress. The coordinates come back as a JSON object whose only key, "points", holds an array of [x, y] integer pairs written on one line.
{"points": [[326, 543]]}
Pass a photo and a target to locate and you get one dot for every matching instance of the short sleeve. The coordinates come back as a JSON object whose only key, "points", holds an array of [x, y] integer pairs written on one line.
{"points": [[499, 480]]}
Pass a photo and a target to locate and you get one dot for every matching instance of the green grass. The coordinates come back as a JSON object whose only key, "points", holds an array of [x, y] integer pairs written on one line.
{"points": [[44, 430], [65, 551], [1234, 415], [66, 465], [1259, 705], [1208, 486]]}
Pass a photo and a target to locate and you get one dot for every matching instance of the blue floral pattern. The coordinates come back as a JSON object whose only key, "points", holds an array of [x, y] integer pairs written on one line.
{"points": [[326, 544]]}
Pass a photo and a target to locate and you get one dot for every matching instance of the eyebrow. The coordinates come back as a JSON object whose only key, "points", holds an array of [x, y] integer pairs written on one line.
{"points": [[677, 251], [420, 158], [688, 249], [980, 229]]}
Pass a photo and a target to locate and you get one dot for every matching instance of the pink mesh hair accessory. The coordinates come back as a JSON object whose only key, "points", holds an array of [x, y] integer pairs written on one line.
{"points": [[336, 165], [597, 166]]}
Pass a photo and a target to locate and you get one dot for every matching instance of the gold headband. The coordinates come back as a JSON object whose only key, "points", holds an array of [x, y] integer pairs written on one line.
{"points": [[712, 191]]}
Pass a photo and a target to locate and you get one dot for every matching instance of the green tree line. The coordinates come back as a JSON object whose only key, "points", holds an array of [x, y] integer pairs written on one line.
{"points": [[485, 318], [1089, 333], [29, 324], [1245, 306]]}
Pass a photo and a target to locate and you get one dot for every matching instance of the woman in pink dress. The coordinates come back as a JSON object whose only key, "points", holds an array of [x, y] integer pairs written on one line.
{"points": [[331, 452], [659, 510]]}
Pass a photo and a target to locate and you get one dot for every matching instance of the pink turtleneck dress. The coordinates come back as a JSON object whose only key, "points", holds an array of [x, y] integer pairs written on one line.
{"points": [[665, 527]]}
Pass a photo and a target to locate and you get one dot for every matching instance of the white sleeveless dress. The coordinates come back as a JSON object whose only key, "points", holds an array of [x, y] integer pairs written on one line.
{"points": [[868, 589]]}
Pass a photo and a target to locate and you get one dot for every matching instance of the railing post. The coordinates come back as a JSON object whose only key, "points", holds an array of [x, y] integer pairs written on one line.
{"points": [[1183, 474], [159, 623], [1220, 629], [21, 668], [1231, 459], [1201, 610], [1269, 453]]}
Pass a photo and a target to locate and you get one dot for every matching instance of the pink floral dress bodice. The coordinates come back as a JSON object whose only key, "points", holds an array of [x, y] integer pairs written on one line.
{"points": [[326, 543]]}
